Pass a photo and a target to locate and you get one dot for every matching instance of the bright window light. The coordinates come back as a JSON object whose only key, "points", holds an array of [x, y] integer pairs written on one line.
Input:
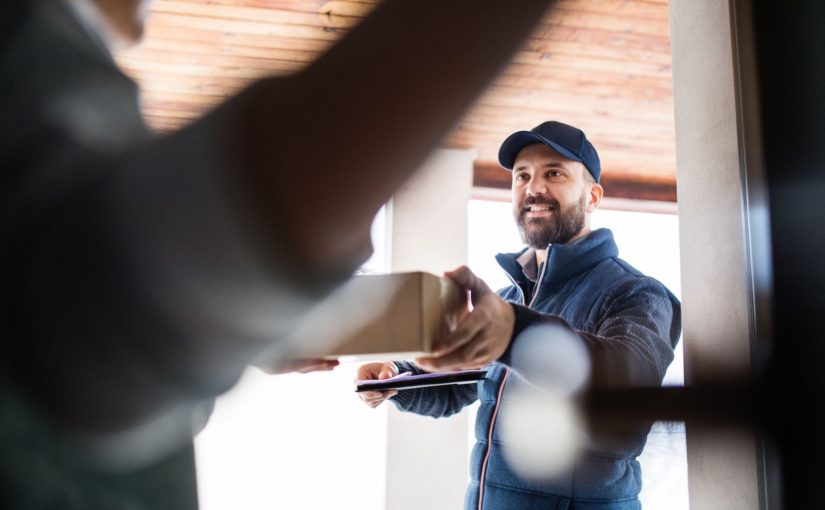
{"points": [[302, 441]]}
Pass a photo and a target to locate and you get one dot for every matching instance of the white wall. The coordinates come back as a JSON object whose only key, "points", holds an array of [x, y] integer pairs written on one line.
{"points": [[716, 285], [427, 459]]}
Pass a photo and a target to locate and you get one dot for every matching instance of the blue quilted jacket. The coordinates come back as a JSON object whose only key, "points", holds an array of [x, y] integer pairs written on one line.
{"points": [[629, 323]]}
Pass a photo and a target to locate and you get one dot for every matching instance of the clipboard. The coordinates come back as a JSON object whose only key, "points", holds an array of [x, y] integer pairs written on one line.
{"points": [[408, 382]]}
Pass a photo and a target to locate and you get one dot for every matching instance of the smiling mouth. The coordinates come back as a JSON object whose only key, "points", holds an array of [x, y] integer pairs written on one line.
{"points": [[538, 210]]}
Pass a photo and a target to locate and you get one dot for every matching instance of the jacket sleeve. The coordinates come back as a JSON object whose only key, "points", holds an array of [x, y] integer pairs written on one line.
{"points": [[143, 274], [639, 323], [438, 401]]}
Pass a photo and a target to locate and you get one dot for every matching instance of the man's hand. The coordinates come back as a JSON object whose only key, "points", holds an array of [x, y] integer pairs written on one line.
{"points": [[303, 366], [376, 371], [482, 337]]}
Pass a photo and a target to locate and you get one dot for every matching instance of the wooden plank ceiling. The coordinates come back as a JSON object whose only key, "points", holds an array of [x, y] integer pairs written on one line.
{"points": [[602, 65]]}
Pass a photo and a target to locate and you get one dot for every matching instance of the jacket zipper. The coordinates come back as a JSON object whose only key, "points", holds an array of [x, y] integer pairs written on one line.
{"points": [[517, 286], [538, 285], [501, 388], [501, 391], [535, 291], [490, 440]]}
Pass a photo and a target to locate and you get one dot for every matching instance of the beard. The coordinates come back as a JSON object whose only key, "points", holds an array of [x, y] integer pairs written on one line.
{"points": [[558, 228]]}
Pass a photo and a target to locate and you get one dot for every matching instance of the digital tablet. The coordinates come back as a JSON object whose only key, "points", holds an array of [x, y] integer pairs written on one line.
{"points": [[407, 382]]}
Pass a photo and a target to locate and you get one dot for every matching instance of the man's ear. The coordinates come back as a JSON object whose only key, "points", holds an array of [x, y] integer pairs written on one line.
{"points": [[595, 194]]}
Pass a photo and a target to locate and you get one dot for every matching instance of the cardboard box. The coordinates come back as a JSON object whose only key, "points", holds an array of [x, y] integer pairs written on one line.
{"points": [[388, 316]]}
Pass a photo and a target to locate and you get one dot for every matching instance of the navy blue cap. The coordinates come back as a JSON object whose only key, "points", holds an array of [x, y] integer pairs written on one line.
{"points": [[568, 141]]}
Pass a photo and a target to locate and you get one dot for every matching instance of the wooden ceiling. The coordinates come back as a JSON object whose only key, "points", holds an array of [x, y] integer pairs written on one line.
{"points": [[601, 65]]}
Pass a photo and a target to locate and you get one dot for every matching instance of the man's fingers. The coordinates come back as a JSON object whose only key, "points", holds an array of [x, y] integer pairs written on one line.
{"points": [[456, 343], [386, 394], [375, 404], [372, 395], [387, 372], [470, 355], [481, 338], [465, 333], [463, 277], [460, 275], [372, 371], [376, 371], [466, 279], [373, 398]]}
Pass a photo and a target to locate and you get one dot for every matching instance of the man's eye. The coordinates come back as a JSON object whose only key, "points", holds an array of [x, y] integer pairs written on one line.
{"points": [[521, 177]]}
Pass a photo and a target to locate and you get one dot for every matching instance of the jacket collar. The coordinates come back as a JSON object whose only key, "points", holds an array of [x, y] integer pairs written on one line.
{"points": [[564, 260]]}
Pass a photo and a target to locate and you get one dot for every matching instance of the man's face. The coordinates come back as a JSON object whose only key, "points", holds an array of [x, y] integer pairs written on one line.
{"points": [[551, 196]]}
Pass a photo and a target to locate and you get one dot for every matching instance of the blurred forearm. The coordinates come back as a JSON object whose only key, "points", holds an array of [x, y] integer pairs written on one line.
{"points": [[334, 142], [148, 273]]}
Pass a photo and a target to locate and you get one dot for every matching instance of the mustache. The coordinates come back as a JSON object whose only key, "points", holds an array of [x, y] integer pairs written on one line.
{"points": [[538, 200]]}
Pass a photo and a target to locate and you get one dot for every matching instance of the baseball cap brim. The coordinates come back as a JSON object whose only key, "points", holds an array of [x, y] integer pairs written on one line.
{"points": [[521, 139]]}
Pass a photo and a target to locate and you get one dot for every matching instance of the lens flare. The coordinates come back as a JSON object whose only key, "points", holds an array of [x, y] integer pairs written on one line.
{"points": [[542, 433]]}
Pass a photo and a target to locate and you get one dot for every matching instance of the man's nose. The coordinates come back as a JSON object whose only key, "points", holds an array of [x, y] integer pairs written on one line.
{"points": [[536, 187]]}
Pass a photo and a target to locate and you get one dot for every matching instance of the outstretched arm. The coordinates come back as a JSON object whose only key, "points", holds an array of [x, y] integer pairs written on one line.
{"points": [[436, 402], [143, 274], [335, 141], [631, 346]]}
